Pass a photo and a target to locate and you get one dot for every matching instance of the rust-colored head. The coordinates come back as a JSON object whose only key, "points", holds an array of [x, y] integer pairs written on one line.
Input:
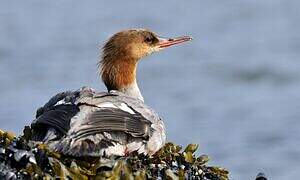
{"points": [[122, 52]]}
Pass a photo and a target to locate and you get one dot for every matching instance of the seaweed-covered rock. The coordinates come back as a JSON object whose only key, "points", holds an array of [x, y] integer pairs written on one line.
{"points": [[21, 159]]}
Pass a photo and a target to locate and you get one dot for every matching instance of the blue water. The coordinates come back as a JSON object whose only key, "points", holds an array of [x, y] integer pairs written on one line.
{"points": [[235, 89]]}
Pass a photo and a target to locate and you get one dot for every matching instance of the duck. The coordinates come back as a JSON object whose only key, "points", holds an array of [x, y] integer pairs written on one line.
{"points": [[116, 122]]}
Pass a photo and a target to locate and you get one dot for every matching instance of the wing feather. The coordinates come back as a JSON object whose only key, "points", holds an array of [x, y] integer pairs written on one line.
{"points": [[55, 116], [113, 119]]}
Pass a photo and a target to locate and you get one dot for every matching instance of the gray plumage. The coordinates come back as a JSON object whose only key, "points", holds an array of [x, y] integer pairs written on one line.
{"points": [[104, 124]]}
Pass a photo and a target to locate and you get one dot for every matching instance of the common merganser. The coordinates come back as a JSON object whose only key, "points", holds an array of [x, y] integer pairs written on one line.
{"points": [[116, 122]]}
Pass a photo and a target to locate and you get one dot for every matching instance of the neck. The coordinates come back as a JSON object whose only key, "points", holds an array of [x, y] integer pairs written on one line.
{"points": [[132, 91], [120, 75]]}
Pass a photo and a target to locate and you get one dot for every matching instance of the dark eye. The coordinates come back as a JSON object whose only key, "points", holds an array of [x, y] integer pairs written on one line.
{"points": [[148, 40]]}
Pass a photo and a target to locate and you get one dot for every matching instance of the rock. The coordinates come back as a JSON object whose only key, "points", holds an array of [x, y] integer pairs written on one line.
{"points": [[261, 176], [20, 159]]}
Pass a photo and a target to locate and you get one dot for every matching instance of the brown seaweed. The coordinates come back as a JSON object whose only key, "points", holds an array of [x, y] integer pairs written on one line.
{"points": [[20, 159]]}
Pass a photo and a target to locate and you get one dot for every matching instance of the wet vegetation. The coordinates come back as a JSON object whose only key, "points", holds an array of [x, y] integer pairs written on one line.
{"points": [[21, 159]]}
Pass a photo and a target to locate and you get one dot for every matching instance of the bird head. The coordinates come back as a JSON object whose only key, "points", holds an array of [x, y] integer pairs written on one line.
{"points": [[124, 49], [137, 43]]}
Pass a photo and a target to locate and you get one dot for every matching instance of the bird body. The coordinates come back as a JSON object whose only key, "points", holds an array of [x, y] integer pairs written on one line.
{"points": [[116, 122], [107, 123]]}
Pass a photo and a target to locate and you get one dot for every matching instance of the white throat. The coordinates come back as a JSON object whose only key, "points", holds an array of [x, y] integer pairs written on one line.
{"points": [[133, 91]]}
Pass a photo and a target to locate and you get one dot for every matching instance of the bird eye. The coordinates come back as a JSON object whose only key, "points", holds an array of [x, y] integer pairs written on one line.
{"points": [[148, 40]]}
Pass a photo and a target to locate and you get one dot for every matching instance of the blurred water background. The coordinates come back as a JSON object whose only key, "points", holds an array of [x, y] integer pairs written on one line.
{"points": [[234, 89]]}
